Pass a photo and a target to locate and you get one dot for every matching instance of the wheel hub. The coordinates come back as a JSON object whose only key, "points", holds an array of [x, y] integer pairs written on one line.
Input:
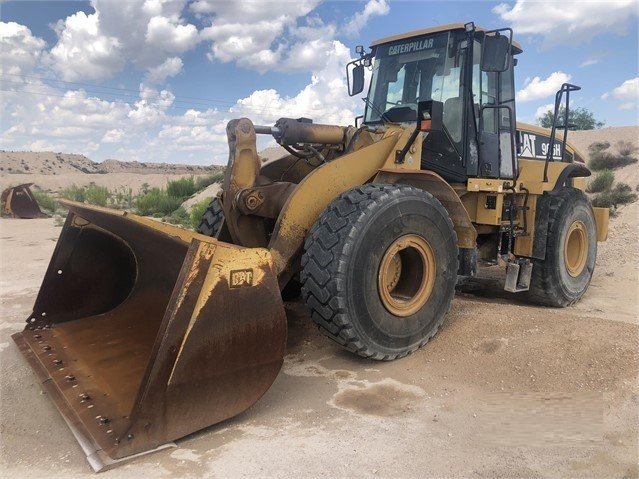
{"points": [[406, 275], [576, 249]]}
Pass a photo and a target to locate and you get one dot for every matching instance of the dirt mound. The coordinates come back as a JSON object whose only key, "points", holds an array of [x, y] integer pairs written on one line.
{"points": [[272, 153], [50, 163], [582, 139], [45, 163], [117, 166]]}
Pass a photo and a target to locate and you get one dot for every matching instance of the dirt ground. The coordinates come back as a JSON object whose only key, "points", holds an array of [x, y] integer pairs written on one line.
{"points": [[505, 389]]}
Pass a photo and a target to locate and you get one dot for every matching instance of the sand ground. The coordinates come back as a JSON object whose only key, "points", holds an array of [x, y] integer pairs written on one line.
{"points": [[505, 389]]}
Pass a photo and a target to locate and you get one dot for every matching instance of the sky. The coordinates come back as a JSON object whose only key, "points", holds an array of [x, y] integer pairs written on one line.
{"points": [[158, 80]]}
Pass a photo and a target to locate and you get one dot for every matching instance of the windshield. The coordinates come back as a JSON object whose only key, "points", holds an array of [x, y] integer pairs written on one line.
{"points": [[412, 70]]}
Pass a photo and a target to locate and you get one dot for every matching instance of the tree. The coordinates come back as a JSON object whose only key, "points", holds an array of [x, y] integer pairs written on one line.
{"points": [[578, 119]]}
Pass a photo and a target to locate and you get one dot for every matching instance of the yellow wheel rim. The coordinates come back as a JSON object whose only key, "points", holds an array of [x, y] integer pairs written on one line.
{"points": [[406, 275], [576, 249]]}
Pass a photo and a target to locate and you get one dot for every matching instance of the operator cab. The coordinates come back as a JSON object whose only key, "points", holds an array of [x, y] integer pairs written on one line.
{"points": [[470, 72]]}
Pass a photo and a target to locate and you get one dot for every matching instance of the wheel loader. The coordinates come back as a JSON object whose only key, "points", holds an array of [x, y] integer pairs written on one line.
{"points": [[143, 332]]}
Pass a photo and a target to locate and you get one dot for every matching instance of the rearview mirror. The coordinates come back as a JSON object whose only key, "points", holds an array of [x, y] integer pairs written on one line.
{"points": [[355, 79], [495, 54]]}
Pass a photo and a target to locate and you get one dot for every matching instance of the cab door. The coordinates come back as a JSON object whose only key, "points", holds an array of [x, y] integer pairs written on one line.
{"points": [[494, 105]]}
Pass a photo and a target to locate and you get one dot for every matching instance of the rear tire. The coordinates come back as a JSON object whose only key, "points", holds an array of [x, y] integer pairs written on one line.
{"points": [[379, 269], [563, 276], [212, 219]]}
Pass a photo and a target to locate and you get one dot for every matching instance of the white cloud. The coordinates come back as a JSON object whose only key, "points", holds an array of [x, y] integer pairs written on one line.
{"points": [[372, 8], [231, 42], [170, 68], [71, 121], [542, 110], [82, 52], [537, 88], [252, 11], [628, 90], [568, 21], [19, 50], [165, 34], [627, 93], [279, 36], [41, 114], [589, 62], [143, 32], [113, 136], [324, 99]]}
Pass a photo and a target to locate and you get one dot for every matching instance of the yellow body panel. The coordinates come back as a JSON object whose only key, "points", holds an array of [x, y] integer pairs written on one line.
{"points": [[444, 192], [523, 245], [488, 184], [488, 215], [531, 176], [318, 189], [602, 218]]}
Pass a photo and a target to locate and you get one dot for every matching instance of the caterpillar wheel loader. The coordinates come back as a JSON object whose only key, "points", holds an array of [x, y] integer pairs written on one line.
{"points": [[143, 332]]}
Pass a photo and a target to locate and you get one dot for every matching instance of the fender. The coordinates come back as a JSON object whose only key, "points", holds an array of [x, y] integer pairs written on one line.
{"points": [[440, 189], [317, 190], [572, 170]]}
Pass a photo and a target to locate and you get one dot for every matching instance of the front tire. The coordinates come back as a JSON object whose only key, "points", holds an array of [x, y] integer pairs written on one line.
{"points": [[379, 269], [212, 219], [563, 276]]}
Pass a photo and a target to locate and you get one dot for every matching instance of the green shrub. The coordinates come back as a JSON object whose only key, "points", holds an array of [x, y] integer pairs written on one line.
{"points": [[604, 160], [621, 194], [45, 201], [197, 211], [601, 159], [204, 181], [74, 193], [179, 217], [122, 198], [182, 188], [97, 195], [602, 200], [626, 148], [156, 202], [602, 182], [598, 146]]}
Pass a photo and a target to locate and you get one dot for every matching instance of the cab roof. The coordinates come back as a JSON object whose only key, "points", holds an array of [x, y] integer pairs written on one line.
{"points": [[439, 28]]}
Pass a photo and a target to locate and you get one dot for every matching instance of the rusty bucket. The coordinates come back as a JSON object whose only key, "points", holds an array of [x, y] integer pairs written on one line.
{"points": [[143, 333], [19, 202]]}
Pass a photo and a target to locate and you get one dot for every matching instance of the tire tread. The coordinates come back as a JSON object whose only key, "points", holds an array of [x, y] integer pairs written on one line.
{"points": [[543, 287], [323, 271], [212, 219]]}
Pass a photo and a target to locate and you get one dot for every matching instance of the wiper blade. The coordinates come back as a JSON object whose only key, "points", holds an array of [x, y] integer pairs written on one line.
{"points": [[375, 108]]}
